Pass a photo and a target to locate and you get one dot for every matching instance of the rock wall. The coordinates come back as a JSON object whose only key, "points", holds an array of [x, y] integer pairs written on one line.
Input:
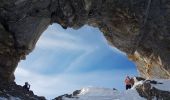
{"points": [[13, 91], [148, 91], [140, 28]]}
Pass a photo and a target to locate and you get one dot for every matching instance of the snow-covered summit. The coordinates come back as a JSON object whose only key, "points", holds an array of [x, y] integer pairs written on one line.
{"points": [[157, 89], [142, 90], [95, 93]]}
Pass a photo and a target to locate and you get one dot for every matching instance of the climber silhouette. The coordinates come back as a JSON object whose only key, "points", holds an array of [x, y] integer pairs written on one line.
{"points": [[26, 86], [128, 82]]}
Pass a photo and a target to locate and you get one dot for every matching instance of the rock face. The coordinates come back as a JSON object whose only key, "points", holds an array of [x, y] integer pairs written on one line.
{"points": [[149, 92], [142, 89], [17, 92], [140, 28]]}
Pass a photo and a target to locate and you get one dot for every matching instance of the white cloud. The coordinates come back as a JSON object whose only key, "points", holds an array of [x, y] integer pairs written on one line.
{"points": [[49, 43], [54, 85], [53, 39], [49, 86], [79, 60], [60, 41], [52, 32]]}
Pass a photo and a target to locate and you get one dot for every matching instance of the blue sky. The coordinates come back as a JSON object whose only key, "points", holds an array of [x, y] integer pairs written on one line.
{"points": [[66, 60]]}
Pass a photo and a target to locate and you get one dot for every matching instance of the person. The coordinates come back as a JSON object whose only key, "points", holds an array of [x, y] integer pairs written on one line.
{"points": [[26, 86], [127, 82], [132, 81]]}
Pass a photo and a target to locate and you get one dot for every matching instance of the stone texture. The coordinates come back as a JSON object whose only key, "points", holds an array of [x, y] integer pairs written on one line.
{"points": [[139, 28], [149, 67], [13, 90], [147, 91]]}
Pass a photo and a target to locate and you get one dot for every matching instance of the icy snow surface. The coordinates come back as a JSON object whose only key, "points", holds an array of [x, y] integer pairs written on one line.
{"points": [[165, 86], [92, 93]]}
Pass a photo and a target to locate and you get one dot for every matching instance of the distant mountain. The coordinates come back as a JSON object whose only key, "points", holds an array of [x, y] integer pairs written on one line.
{"points": [[142, 90], [94, 93]]}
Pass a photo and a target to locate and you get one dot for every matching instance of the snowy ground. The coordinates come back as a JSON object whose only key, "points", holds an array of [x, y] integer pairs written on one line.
{"points": [[165, 86], [93, 93]]}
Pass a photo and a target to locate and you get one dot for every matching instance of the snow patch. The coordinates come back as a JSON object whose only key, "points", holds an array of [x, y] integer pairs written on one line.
{"points": [[137, 83], [164, 86], [94, 93]]}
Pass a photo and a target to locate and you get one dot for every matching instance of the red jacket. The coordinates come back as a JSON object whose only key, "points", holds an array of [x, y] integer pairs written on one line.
{"points": [[127, 81]]}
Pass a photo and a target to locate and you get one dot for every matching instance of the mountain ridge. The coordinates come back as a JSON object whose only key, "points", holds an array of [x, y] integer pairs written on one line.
{"points": [[141, 90]]}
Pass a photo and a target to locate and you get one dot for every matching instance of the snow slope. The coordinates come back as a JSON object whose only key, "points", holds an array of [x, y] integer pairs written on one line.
{"points": [[93, 93], [165, 86]]}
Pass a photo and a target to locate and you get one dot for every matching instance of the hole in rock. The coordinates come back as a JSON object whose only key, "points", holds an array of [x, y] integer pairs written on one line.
{"points": [[66, 60]]}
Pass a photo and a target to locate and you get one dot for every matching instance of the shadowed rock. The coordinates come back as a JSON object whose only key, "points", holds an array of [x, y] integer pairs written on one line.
{"points": [[147, 91], [7, 91], [140, 28]]}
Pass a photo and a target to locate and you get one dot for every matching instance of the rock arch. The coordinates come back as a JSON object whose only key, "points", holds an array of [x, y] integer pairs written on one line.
{"points": [[140, 28]]}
